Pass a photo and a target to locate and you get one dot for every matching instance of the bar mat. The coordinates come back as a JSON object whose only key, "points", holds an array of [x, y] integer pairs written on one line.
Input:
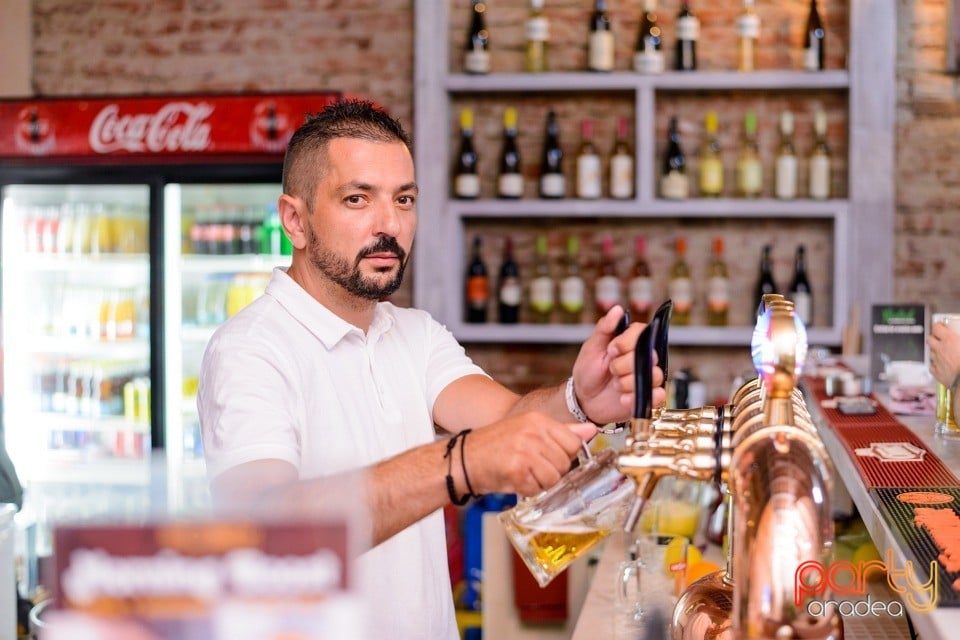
{"points": [[893, 456], [937, 541]]}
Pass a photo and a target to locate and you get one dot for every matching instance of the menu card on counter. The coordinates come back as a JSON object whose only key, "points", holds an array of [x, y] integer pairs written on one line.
{"points": [[898, 334]]}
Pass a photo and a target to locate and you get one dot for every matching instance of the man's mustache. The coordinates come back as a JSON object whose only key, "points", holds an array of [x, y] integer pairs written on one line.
{"points": [[386, 244]]}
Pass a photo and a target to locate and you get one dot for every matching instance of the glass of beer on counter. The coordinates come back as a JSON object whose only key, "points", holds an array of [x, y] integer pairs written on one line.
{"points": [[946, 424], [552, 529]]}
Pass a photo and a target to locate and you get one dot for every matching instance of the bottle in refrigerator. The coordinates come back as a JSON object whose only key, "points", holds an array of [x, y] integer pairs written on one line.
{"points": [[680, 286]]}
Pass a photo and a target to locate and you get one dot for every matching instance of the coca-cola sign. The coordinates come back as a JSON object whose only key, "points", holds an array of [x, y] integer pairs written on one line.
{"points": [[176, 126], [154, 126]]}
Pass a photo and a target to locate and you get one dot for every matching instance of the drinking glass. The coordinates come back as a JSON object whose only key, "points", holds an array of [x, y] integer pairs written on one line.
{"points": [[946, 415], [649, 582]]}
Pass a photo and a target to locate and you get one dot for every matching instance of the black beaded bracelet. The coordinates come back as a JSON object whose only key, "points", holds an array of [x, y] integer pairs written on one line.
{"points": [[451, 490]]}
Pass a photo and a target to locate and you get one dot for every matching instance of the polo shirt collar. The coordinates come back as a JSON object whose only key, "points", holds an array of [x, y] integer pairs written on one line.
{"points": [[327, 326]]}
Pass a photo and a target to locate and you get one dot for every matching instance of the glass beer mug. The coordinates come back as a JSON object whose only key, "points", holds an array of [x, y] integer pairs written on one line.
{"points": [[554, 528]]}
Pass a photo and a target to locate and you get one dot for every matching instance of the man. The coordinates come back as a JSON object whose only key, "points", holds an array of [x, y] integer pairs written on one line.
{"points": [[318, 378]]}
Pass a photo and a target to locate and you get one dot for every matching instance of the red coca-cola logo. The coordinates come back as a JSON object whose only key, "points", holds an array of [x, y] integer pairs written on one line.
{"points": [[34, 130], [271, 127], [176, 126]]}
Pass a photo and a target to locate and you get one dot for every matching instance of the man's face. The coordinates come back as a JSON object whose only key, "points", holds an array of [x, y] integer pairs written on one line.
{"points": [[361, 229]]}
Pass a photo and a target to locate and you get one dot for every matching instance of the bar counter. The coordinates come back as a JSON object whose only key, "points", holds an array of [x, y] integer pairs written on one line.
{"points": [[596, 617]]}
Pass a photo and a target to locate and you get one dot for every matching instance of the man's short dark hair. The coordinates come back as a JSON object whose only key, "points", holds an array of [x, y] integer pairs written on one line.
{"points": [[306, 152]]}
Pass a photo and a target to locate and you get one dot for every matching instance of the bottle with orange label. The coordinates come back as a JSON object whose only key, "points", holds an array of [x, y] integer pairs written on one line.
{"points": [[477, 289], [718, 287]]}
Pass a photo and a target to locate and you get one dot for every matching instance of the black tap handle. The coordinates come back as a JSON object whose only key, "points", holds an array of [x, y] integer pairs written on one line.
{"points": [[643, 370], [622, 324], [660, 339]]}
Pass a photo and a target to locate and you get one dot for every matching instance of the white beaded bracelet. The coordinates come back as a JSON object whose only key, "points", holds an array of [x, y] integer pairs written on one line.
{"points": [[572, 405]]}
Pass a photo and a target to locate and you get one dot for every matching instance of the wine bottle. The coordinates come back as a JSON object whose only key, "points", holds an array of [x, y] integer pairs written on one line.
{"points": [[813, 46], [674, 184], [510, 180], [538, 34], [621, 164], [600, 46], [553, 184], [606, 289], [688, 32], [541, 286], [466, 180], [476, 58], [572, 287], [749, 167], [477, 293], [680, 287], [588, 163], [647, 54], [785, 185], [509, 292], [800, 291], [718, 287], [640, 285], [765, 282], [711, 161], [748, 33], [820, 159]]}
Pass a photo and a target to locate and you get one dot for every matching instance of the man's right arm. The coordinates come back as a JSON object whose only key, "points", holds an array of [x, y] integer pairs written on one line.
{"points": [[523, 454]]}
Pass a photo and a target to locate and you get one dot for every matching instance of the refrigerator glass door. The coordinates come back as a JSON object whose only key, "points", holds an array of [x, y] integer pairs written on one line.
{"points": [[222, 242], [76, 339]]}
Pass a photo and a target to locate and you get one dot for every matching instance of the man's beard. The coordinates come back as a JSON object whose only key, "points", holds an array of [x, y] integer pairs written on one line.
{"points": [[348, 276]]}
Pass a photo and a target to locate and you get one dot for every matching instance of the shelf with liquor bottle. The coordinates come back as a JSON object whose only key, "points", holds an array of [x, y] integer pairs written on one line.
{"points": [[563, 274], [719, 62]]}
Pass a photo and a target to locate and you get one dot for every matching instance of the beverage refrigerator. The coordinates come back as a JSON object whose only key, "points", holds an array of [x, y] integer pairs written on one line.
{"points": [[131, 228]]}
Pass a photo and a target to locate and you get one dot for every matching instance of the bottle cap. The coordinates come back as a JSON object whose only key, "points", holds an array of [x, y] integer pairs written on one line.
{"points": [[510, 118], [750, 122], [786, 123], [681, 245], [710, 122], [466, 118]]}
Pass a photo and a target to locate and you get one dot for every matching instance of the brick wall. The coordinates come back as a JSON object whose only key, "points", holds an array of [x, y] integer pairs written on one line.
{"points": [[365, 47]]}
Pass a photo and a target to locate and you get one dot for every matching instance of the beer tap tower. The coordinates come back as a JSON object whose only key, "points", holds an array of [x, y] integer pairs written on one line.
{"points": [[764, 448]]}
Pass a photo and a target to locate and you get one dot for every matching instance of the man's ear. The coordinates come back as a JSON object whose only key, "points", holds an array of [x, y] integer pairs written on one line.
{"points": [[292, 212]]}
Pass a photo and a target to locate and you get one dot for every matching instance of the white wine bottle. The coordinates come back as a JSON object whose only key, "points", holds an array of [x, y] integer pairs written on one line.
{"points": [[588, 164], [819, 174], [600, 46], [749, 167], [748, 34], [538, 34], [621, 164], [711, 160], [785, 183]]}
